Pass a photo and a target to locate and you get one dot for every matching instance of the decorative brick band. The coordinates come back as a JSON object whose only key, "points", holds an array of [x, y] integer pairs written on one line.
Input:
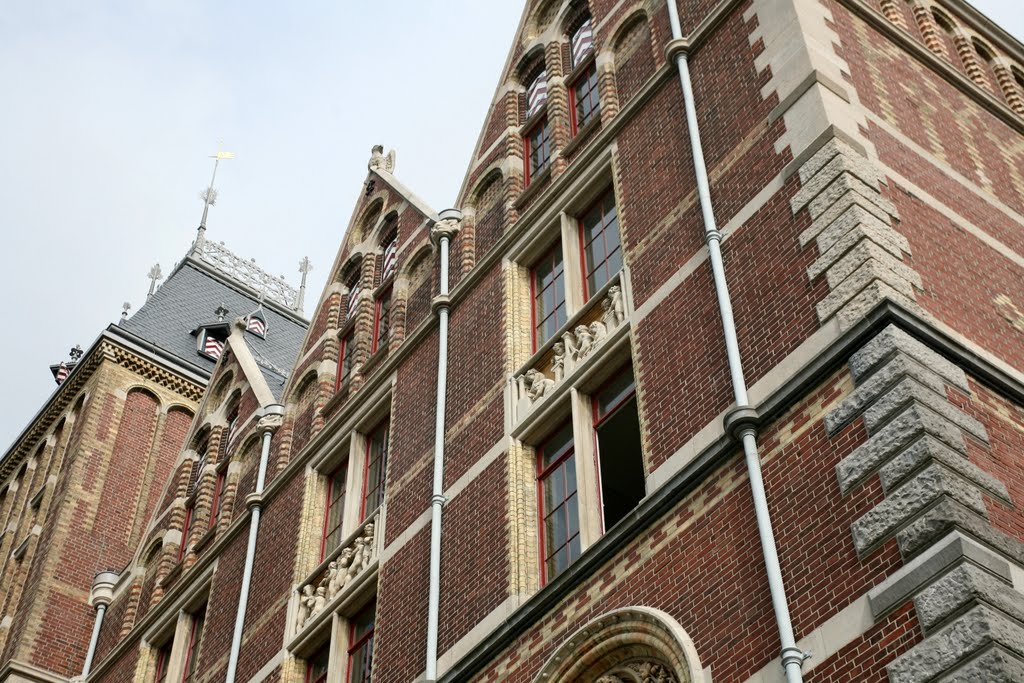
{"points": [[860, 253], [971, 616]]}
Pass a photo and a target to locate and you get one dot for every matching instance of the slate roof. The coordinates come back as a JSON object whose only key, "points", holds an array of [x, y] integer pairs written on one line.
{"points": [[188, 299]]}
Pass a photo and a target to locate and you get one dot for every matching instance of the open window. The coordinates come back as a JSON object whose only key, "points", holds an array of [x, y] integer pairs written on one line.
{"points": [[619, 456]]}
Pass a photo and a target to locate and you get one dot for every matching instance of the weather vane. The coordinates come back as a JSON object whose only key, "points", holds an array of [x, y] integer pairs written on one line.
{"points": [[209, 195]]}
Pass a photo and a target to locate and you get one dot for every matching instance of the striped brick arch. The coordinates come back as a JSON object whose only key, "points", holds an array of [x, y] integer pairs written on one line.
{"points": [[630, 645]]}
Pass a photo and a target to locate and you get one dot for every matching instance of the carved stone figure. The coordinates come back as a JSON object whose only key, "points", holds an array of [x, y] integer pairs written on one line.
{"points": [[367, 545], [357, 559], [538, 385], [584, 342], [341, 576], [306, 603], [598, 330], [329, 578], [615, 310], [379, 162], [319, 601], [558, 361]]}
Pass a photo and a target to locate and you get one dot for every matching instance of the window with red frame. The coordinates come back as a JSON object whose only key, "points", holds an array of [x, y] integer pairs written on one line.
{"points": [[559, 508], [360, 651], [316, 668], [538, 149], [586, 101], [218, 496], [195, 639], [599, 240], [334, 510], [548, 288], [163, 660], [347, 352], [382, 322], [376, 467], [186, 529], [619, 456]]}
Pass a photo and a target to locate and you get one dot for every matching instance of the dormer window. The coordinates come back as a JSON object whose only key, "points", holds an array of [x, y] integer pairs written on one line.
{"points": [[210, 346], [256, 323]]}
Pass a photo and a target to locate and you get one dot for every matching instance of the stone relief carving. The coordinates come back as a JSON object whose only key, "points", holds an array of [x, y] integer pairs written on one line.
{"points": [[574, 347], [353, 559], [639, 672]]}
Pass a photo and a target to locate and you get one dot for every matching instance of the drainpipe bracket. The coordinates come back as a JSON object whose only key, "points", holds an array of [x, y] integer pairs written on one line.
{"points": [[676, 47], [794, 655], [741, 419], [440, 301], [253, 500]]}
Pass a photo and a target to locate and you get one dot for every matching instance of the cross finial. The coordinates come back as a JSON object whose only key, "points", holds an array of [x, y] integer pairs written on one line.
{"points": [[221, 311], [125, 307], [304, 267], [154, 275], [76, 353]]}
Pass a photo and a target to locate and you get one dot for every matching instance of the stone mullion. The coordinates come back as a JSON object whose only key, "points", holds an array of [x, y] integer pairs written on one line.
{"points": [[1008, 84], [893, 13], [557, 106], [606, 89], [964, 49], [928, 28]]}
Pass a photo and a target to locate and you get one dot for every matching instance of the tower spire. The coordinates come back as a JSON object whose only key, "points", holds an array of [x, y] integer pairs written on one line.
{"points": [[209, 195], [304, 267]]}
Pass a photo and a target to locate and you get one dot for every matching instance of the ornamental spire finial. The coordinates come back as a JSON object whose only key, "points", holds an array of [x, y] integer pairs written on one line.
{"points": [[304, 267], [154, 275], [209, 195]]}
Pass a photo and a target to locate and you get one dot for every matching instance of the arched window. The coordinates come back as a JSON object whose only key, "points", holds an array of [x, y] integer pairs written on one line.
{"points": [[631, 645]]}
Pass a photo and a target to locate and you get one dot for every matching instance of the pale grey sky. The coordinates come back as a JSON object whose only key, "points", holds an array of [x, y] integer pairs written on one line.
{"points": [[112, 107]]}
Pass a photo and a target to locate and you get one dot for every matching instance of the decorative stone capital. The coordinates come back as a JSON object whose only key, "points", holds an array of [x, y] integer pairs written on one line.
{"points": [[273, 418], [102, 592], [676, 47], [253, 500], [447, 226], [740, 419]]}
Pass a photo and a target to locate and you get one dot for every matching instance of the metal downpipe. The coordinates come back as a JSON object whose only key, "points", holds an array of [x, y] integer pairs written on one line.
{"points": [[792, 657], [442, 233], [271, 420]]}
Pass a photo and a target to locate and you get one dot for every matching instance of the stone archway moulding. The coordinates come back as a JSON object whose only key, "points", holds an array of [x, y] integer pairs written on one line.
{"points": [[629, 645]]}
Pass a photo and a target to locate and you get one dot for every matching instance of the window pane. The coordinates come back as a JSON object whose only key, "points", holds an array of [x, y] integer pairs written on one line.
{"points": [[361, 646], [316, 671], [602, 253], [549, 295], [587, 98], [621, 462], [194, 645], [335, 510], [376, 464], [560, 504]]}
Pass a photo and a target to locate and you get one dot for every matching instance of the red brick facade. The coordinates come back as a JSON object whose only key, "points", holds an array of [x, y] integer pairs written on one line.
{"points": [[866, 167]]}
